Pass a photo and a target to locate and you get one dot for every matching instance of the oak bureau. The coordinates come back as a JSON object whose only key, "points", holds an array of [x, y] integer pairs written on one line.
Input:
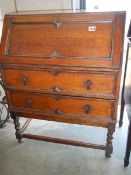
{"points": [[63, 66]]}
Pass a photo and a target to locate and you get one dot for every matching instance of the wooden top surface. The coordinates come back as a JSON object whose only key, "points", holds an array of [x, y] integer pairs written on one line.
{"points": [[40, 12]]}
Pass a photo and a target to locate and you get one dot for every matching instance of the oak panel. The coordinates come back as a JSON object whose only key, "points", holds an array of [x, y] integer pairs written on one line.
{"points": [[55, 80], [62, 104], [67, 39], [64, 39]]}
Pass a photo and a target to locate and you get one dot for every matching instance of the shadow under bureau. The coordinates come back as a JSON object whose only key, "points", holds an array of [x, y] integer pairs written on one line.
{"points": [[65, 67]]}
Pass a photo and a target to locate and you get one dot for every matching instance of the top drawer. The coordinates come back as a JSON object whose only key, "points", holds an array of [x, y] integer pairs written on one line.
{"points": [[66, 39], [91, 84]]}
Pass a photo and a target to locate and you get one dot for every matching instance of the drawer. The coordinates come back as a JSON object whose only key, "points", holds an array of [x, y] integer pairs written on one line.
{"points": [[61, 105], [62, 81]]}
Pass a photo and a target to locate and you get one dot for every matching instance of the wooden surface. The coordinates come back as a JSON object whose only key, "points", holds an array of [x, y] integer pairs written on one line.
{"points": [[78, 47], [63, 82], [64, 67], [62, 104]]}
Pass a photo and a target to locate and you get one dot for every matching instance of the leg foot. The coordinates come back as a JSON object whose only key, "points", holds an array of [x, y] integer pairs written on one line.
{"points": [[109, 147], [126, 162], [17, 127], [128, 146], [120, 123]]}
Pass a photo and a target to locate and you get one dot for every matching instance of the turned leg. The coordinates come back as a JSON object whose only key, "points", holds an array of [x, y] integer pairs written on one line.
{"points": [[17, 127], [128, 147], [109, 147]]}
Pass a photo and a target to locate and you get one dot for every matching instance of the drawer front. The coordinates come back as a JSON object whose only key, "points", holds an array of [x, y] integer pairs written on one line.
{"points": [[59, 81], [73, 39], [62, 105]]}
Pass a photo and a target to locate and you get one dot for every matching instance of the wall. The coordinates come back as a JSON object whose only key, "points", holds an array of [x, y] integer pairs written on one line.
{"points": [[110, 5]]}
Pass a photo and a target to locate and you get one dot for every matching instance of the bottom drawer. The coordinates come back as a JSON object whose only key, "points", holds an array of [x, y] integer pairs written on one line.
{"points": [[62, 105]]}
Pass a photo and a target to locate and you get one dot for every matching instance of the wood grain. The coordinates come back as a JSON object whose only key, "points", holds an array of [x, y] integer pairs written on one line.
{"points": [[69, 82], [63, 67], [28, 44], [65, 104]]}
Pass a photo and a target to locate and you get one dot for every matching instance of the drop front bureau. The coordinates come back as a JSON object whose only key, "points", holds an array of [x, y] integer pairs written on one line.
{"points": [[65, 67]]}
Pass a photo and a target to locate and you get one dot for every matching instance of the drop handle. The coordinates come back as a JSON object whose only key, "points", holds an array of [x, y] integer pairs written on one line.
{"points": [[28, 101], [57, 111], [58, 23], [87, 109], [24, 79], [56, 89], [88, 84]]}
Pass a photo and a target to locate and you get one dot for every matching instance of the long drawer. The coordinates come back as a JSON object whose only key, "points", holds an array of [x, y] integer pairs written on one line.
{"points": [[62, 105], [59, 81]]}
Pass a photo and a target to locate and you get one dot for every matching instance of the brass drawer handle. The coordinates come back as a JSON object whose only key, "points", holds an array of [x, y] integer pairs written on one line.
{"points": [[55, 71], [28, 101], [58, 23], [56, 97], [56, 89], [57, 111], [24, 79], [87, 109], [88, 84]]}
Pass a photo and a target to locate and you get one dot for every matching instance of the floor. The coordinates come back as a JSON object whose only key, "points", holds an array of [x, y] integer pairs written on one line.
{"points": [[42, 158]]}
